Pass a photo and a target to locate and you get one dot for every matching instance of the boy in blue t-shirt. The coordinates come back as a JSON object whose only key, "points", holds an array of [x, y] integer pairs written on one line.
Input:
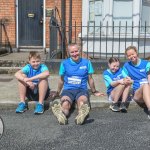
{"points": [[75, 73], [138, 70], [33, 83], [117, 84]]}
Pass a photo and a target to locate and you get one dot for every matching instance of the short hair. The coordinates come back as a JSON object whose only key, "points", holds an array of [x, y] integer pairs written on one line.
{"points": [[73, 44], [34, 54], [131, 47], [113, 59]]}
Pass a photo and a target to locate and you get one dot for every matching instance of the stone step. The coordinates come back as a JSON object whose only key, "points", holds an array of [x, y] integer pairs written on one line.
{"points": [[9, 70]]}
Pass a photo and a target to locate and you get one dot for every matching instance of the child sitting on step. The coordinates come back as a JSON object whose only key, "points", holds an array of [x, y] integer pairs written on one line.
{"points": [[33, 83], [117, 84]]}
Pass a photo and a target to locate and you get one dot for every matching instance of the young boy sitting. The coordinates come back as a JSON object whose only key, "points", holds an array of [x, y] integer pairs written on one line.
{"points": [[33, 83]]}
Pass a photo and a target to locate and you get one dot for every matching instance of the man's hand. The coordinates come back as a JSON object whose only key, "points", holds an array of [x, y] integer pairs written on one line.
{"points": [[54, 94], [97, 93]]}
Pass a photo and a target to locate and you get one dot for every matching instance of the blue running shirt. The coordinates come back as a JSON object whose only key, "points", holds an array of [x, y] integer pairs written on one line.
{"points": [[138, 73], [75, 73], [109, 77], [30, 72]]}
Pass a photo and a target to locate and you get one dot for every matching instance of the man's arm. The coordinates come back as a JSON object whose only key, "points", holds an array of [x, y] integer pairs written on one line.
{"points": [[91, 83], [60, 84], [92, 86]]}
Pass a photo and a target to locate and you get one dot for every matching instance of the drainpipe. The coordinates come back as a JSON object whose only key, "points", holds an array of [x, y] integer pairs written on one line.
{"points": [[63, 17], [70, 22]]}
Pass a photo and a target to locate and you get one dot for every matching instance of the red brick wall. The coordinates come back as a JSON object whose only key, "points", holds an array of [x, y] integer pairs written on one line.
{"points": [[8, 11]]}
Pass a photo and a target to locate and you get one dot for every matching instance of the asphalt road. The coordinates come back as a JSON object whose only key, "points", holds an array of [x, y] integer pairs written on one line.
{"points": [[104, 130]]}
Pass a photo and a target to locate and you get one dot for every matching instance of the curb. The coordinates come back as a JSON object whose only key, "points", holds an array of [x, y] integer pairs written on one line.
{"points": [[9, 70], [94, 104]]}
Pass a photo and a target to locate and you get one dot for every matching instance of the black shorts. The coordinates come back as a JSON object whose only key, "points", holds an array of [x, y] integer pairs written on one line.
{"points": [[35, 96]]}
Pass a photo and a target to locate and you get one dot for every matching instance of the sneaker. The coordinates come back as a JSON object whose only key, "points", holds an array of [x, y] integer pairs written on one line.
{"points": [[123, 107], [114, 107], [39, 109], [148, 114], [22, 107], [56, 109], [83, 114]]}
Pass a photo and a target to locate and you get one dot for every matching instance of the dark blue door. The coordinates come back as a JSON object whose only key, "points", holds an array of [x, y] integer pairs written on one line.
{"points": [[30, 22]]}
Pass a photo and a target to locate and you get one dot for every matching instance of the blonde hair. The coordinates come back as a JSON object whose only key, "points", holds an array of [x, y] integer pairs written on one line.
{"points": [[131, 47], [34, 54]]}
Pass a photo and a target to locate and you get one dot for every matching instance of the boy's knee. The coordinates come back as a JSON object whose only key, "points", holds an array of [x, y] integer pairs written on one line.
{"points": [[43, 80]]}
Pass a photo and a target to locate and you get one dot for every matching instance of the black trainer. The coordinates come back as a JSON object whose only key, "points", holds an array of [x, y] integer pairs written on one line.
{"points": [[114, 107], [123, 107]]}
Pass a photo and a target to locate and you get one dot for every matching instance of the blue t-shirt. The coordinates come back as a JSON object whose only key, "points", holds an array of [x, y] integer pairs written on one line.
{"points": [[30, 72], [75, 73], [138, 73], [109, 77]]}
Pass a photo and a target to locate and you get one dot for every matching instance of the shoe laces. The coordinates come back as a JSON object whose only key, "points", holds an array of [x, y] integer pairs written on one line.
{"points": [[83, 108], [39, 106], [21, 104], [57, 108], [115, 104]]}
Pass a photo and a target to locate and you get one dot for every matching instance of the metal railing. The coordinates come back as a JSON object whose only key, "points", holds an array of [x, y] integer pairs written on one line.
{"points": [[100, 41], [5, 46]]}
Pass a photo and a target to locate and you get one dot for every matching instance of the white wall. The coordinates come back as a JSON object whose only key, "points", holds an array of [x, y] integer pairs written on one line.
{"points": [[108, 17]]}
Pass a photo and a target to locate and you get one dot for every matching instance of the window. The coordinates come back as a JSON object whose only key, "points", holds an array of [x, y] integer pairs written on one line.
{"points": [[145, 17], [95, 14], [122, 13]]}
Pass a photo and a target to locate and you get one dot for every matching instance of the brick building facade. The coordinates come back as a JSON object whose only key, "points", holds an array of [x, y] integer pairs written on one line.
{"points": [[9, 13]]}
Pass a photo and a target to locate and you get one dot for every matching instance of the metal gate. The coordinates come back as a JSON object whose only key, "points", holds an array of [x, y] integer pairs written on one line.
{"points": [[30, 23]]}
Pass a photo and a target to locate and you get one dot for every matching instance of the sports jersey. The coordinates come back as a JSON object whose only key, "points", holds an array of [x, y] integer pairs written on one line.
{"points": [[138, 73], [109, 77], [29, 71], [75, 73]]}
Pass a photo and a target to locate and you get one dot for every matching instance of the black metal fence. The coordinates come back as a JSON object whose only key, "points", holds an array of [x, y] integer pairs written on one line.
{"points": [[5, 46], [99, 41]]}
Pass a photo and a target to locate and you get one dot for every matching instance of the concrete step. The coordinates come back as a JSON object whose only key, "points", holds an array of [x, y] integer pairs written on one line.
{"points": [[9, 95], [9, 70]]}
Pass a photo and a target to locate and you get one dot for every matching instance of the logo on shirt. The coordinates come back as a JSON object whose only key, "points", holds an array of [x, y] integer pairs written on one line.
{"points": [[83, 67], [118, 77], [142, 70]]}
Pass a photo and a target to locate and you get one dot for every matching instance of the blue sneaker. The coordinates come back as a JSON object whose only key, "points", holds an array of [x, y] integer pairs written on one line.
{"points": [[39, 109], [22, 107]]}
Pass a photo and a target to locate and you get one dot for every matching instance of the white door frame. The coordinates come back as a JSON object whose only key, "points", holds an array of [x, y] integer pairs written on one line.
{"points": [[44, 22]]}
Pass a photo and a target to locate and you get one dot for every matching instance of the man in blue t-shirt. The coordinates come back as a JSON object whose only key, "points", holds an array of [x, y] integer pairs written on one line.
{"points": [[74, 73], [33, 83]]}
